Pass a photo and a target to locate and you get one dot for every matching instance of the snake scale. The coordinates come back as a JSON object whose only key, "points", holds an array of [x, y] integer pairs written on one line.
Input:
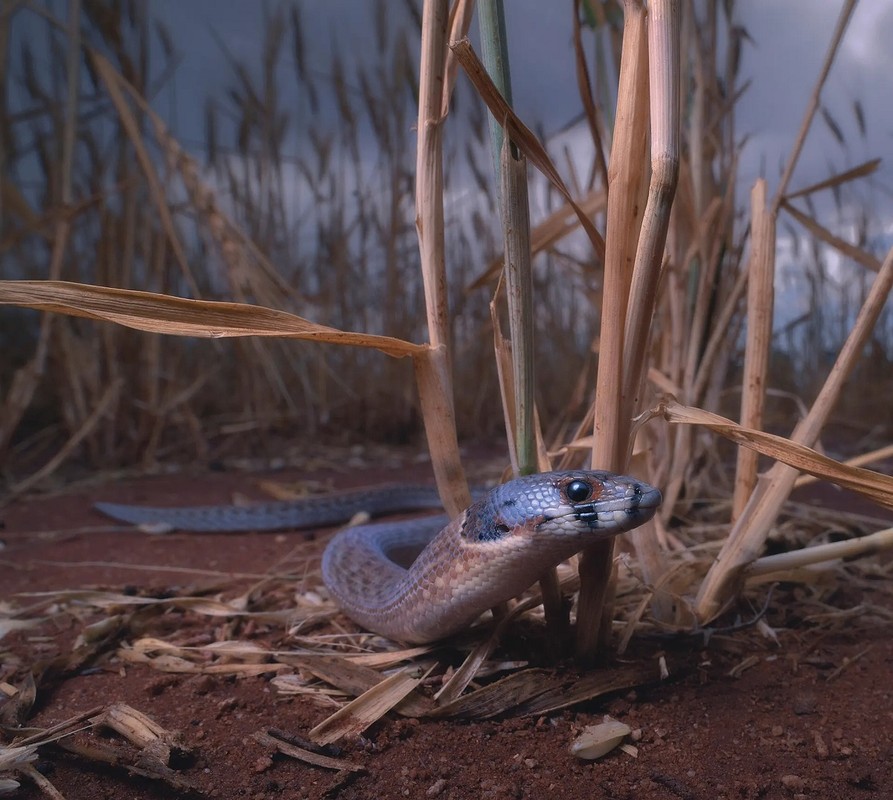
{"points": [[425, 579]]}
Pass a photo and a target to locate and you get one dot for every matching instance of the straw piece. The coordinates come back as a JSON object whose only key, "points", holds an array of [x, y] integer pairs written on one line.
{"points": [[850, 549], [367, 709]]}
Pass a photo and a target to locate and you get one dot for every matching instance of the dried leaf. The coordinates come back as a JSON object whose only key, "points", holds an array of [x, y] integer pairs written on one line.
{"points": [[499, 697], [160, 313], [874, 485], [367, 709]]}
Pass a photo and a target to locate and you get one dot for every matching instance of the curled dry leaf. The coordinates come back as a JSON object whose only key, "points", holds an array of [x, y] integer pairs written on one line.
{"points": [[598, 740]]}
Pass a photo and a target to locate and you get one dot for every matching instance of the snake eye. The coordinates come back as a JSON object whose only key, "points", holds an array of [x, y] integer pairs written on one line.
{"points": [[578, 491]]}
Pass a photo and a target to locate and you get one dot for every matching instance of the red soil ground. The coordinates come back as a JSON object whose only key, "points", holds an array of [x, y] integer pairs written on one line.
{"points": [[812, 717]]}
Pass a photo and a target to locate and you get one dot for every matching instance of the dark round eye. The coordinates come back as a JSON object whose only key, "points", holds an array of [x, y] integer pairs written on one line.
{"points": [[578, 491]]}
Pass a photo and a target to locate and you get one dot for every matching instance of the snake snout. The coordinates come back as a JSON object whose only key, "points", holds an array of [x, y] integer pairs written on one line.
{"points": [[622, 510]]}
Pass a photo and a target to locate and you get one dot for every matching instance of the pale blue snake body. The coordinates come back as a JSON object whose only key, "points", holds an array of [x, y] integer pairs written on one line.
{"points": [[491, 552]]}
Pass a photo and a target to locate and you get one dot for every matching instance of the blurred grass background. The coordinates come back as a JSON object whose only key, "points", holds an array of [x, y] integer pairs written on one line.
{"points": [[309, 207]]}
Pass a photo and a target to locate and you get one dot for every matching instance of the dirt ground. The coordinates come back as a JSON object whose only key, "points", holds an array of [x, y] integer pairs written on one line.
{"points": [[810, 716]]}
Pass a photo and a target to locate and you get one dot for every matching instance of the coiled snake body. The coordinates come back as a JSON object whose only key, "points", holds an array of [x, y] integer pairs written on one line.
{"points": [[490, 553]]}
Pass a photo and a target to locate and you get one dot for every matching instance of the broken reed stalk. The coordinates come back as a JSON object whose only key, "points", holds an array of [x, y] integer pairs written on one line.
{"points": [[750, 529], [760, 296], [626, 187], [748, 535], [434, 370]]}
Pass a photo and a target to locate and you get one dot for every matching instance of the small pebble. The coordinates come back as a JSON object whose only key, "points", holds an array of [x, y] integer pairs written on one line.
{"points": [[435, 788], [792, 782], [262, 764]]}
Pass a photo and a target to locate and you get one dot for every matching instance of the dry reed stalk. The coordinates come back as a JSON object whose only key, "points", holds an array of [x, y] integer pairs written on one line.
{"points": [[434, 372], [544, 235], [664, 82], [429, 169], [760, 296], [626, 188], [873, 543]]}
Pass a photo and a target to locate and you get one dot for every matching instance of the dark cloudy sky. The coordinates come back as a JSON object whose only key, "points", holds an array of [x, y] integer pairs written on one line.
{"points": [[789, 40]]}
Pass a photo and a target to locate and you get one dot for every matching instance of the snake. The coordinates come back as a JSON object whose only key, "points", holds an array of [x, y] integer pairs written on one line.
{"points": [[423, 580]]}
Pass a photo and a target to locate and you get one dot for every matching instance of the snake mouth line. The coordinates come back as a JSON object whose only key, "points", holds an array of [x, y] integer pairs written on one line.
{"points": [[615, 511]]}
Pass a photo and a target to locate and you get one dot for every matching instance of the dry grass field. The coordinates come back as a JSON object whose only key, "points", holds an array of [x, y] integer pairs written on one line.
{"points": [[255, 317]]}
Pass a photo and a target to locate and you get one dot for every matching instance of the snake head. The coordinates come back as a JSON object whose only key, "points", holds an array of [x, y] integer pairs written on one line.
{"points": [[580, 502]]}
